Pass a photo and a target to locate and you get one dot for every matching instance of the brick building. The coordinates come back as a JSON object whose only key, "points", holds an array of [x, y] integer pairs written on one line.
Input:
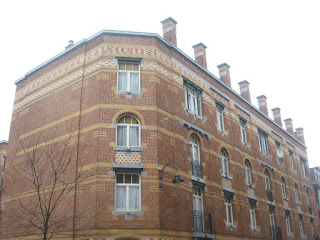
{"points": [[140, 103]]}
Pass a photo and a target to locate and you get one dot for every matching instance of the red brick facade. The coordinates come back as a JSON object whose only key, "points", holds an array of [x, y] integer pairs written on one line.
{"points": [[77, 94]]}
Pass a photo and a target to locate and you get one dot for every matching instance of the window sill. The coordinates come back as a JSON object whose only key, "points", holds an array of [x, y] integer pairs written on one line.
{"points": [[128, 149], [246, 145], [127, 212], [198, 179], [251, 185], [223, 132], [128, 92], [285, 199], [299, 203], [255, 229], [226, 176], [196, 116], [231, 226]]}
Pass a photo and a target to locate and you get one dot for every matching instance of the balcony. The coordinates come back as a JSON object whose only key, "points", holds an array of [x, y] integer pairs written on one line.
{"points": [[315, 237], [196, 168], [202, 225], [275, 233], [269, 195], [309, 209]]}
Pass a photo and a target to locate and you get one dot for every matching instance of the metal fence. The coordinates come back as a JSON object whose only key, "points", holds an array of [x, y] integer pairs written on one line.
{"points": [[202, 222]]}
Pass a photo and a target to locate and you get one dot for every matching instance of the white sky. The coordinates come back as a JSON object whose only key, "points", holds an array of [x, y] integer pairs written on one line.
{"points": [[274, 44]]}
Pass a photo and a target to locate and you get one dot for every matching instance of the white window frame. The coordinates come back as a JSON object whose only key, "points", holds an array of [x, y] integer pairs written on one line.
{"points": [[263, 141], [128, 75], [301, 227], [228, 208], [291, 157], [224, 162], [195, 98], [243, 132], [127, 125], [193, 146], [252, 212], [127, 185], [278, 147], [296, 193], [288, 225], [248, 172], [303, 163], [220, 119], [267, 181], [283, 188], [308, 197], [312, 227]]}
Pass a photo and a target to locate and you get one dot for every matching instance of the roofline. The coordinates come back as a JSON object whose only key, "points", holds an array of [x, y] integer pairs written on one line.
{"points": [[145, 34]]}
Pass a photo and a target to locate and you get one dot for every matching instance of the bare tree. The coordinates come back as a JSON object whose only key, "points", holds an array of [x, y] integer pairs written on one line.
{"points": [[43, 178]]}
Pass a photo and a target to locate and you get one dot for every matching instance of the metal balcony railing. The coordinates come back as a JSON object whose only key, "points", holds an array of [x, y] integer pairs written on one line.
{"points": [[315, 237], [196, 168], [309, 209], [276, 233], [202, 222], [269, 195]]}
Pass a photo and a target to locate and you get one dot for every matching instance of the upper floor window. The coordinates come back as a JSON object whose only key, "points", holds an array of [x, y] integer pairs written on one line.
{"points": [[279, 152], [252, 215], [308, 196], [304, 167], [288, 225], [283, 188], [129, 76], [243, 124], [263, 140], [224, 162], [195, 156], [128, 131], [291, 159], [192, 97], [228, 206], [301, 227], [296, 193], [247, 168], [128, 191], [220, 121]]}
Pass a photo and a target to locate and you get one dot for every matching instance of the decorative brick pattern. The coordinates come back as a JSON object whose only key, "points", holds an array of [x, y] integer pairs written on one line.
{"points": [[128, 157]]}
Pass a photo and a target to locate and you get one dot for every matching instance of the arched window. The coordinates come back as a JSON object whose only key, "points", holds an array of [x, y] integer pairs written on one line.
{"points": [[195, 156], [247, 168], [296, 193], [267, 180], [224, 162], [283, 188], [128, 131]]}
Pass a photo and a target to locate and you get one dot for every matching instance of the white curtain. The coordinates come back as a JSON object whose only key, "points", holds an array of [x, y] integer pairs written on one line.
{"points": [[122, 81], [134, 136], [134, 82], [122, 136], [134, 198], [121, 197], [196, 153]]}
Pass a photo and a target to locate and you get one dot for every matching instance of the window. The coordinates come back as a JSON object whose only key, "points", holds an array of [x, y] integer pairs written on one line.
{"points": [[296, 193], [129, 76], [243, 124], [312, 226], [267, 180], [283, 188], [252, 215], [291, 159], [128, 191], [263, 140], [198, 219], [279, 152], [248, 172], [220, 123], [192, 98], [128, 131], [303, 167], [308, 197], [272, 224], [195, 157], [288, 224], [228, 206], [301, 227], [224, 162]]}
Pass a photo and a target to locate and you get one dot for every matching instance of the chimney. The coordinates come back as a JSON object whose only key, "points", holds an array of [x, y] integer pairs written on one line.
{"points": [[262, 103], [300, 135], [70, 44], [224, 73], [277, 116], [244, 90], [169, 30], [289, 126], [200, 54]]}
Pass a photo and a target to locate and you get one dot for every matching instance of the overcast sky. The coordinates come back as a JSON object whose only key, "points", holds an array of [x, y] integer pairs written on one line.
{"points": [[275, 45]]}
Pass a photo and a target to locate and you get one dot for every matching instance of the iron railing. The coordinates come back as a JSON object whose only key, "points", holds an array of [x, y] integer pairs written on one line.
{"points": [[276, 233], [196, 168], [202, 222], [269, 195]]}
